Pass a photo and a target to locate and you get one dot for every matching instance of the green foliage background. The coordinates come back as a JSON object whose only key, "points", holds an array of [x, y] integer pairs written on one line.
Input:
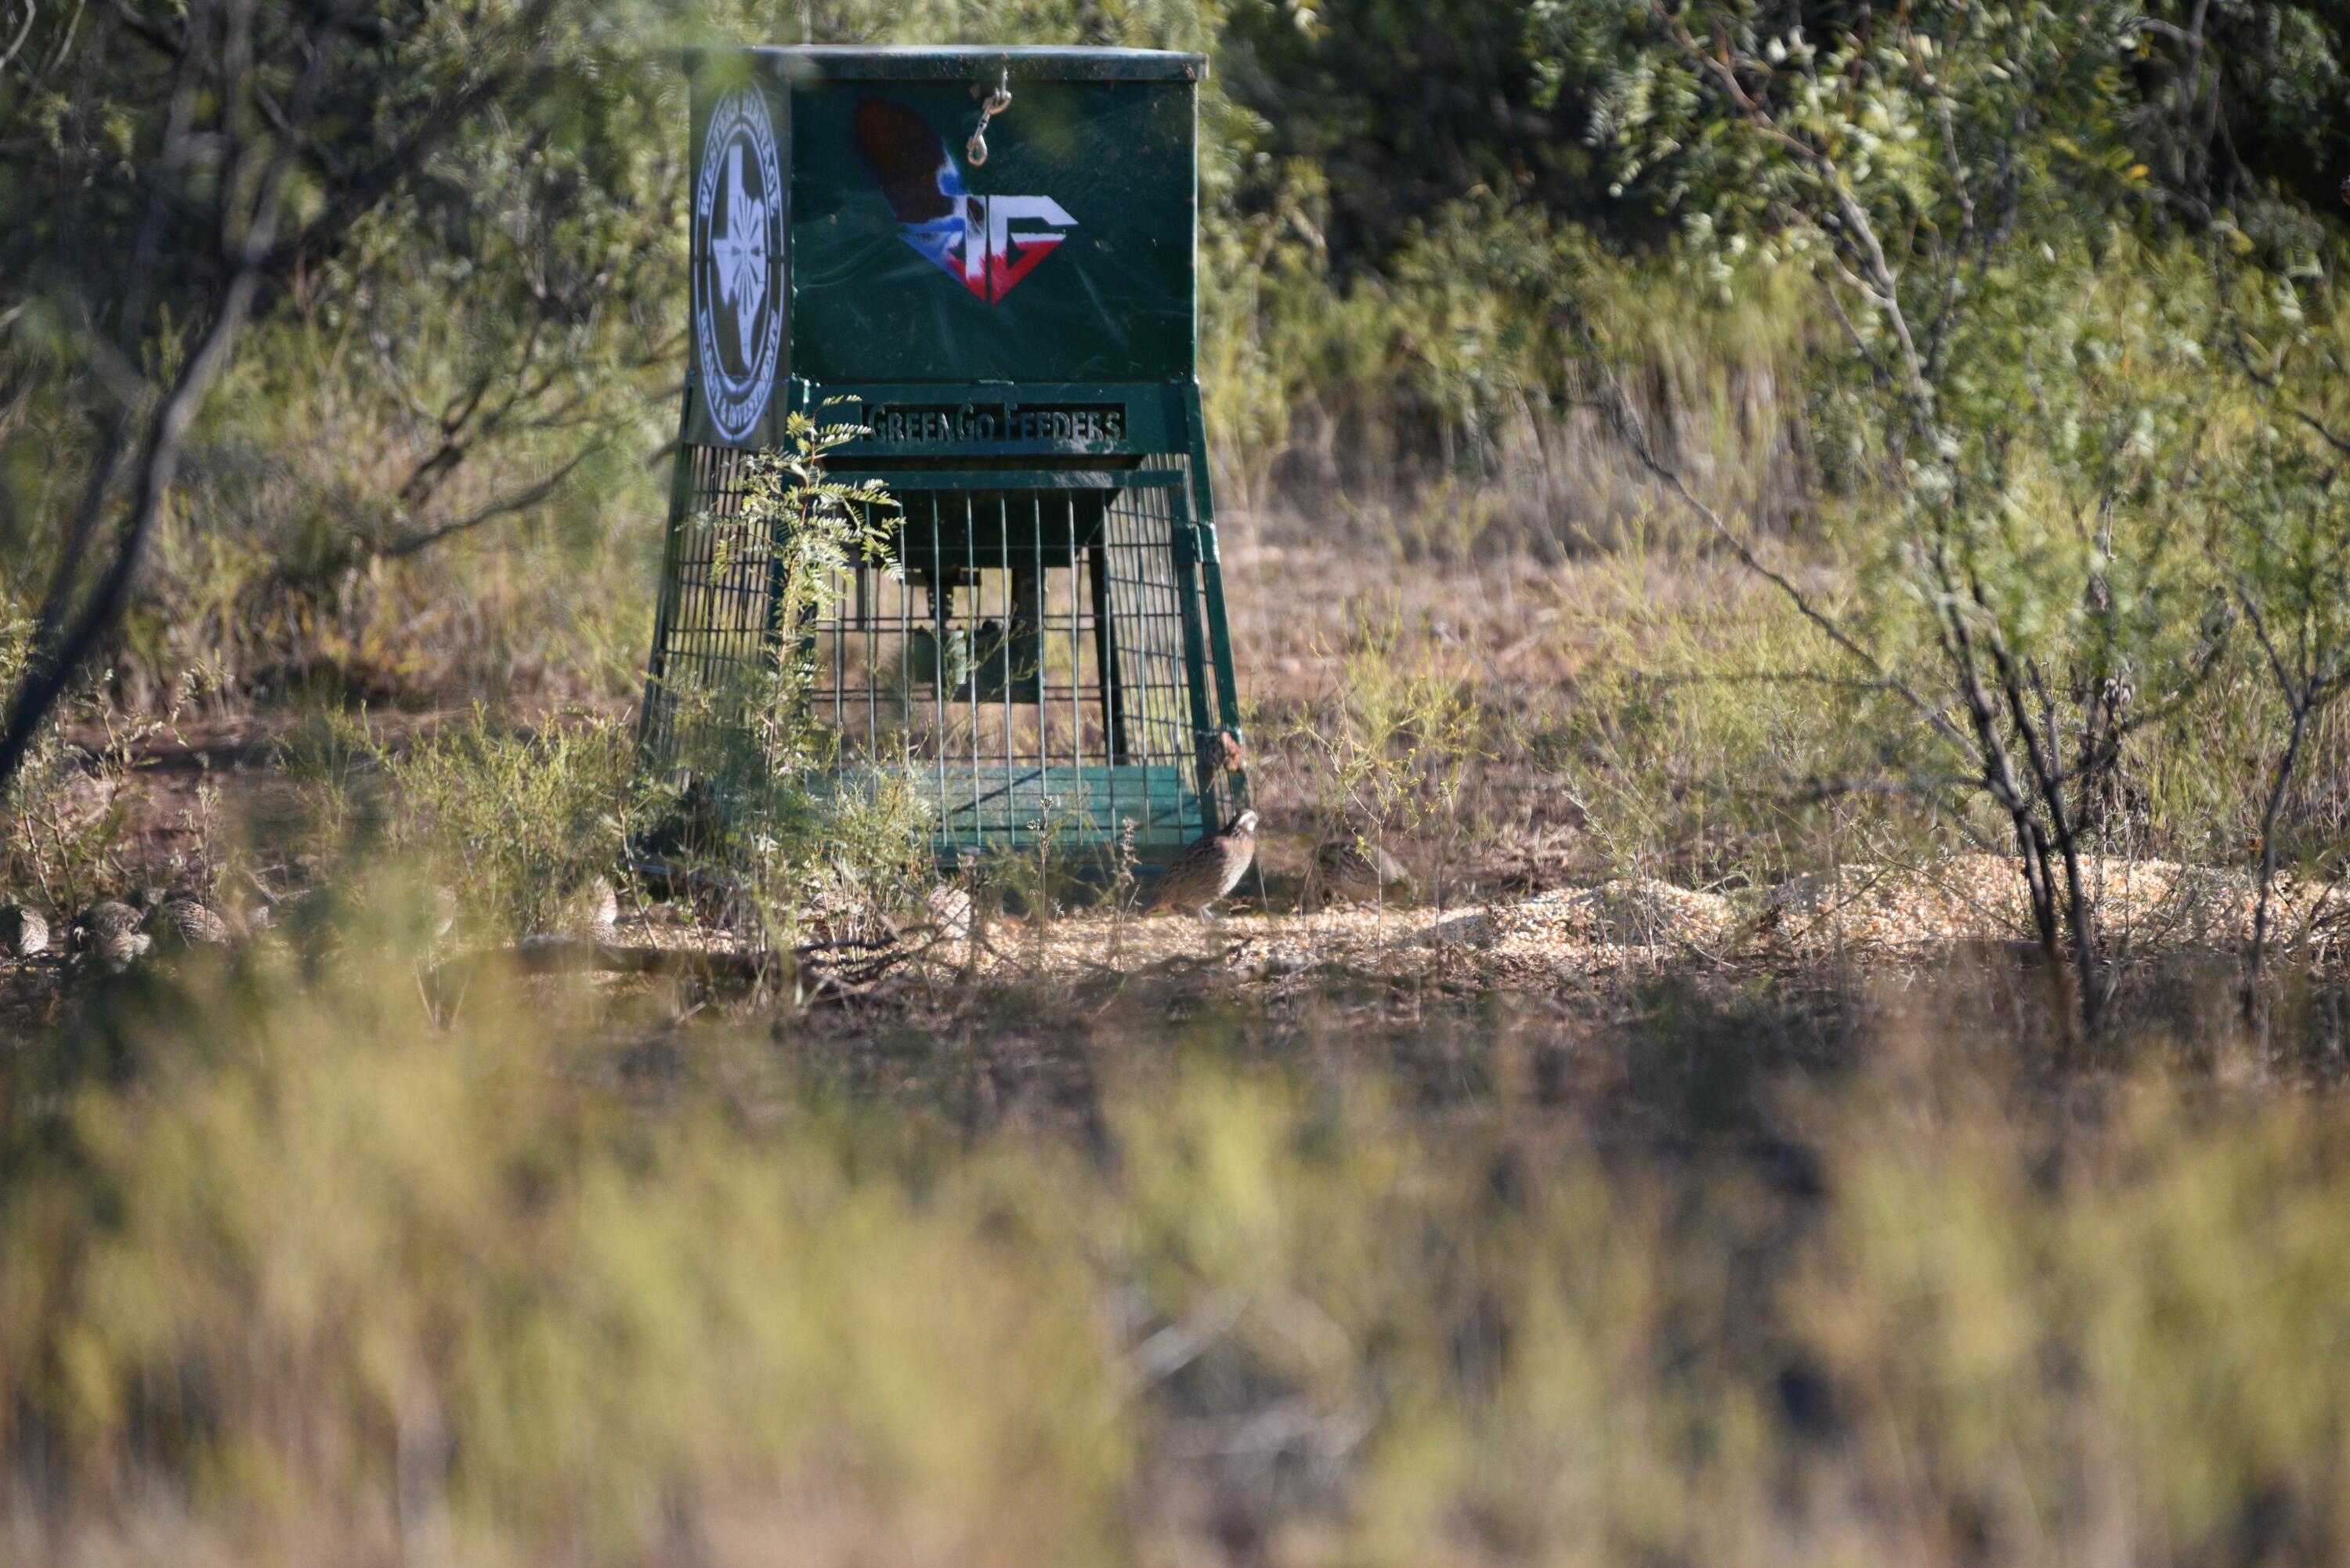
{"points": [[437, 467]]}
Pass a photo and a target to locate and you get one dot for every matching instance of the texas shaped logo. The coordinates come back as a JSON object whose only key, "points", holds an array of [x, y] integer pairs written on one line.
{"points": [[988, 244], [740, 250]]}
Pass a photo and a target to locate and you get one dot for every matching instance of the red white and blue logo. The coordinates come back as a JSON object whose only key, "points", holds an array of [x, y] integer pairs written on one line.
{"points": [[987, 243]]}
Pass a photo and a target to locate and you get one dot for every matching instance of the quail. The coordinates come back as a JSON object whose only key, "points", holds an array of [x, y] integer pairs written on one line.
{"points": [[109, 933], [23, 932], [599, 906], [1359, 867], [1208, 869], [950, 910], [184, 923]]}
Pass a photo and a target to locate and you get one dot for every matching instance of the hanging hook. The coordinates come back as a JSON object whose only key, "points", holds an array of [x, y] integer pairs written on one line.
{"points": [[975, 149]]}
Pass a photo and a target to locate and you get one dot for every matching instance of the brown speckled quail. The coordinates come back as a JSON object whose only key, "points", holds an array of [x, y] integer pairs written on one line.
{"points": [[24, 932], [600, 911], [1208, 869], [1359, 869], [108, 933], [184, 923]]}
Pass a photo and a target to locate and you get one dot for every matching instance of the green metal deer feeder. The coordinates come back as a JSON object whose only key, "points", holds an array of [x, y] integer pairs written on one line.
{"points": [[983, 257]]}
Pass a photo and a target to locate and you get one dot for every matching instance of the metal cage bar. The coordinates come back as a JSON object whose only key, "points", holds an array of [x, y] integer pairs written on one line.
{"points": [[1036, 661]]}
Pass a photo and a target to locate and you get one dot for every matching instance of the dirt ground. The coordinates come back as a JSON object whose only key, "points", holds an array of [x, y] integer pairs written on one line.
{"points": [[1525, 906]]}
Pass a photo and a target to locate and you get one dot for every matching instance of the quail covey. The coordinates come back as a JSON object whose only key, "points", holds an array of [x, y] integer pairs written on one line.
{"points": [[1208, 869], [23, 931]]}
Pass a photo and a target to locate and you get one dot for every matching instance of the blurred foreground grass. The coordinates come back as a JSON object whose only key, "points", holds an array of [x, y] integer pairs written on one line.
{"points": [[1693, 1273]]}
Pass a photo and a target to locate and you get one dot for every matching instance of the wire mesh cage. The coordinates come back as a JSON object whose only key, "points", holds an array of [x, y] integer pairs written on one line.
{"points": [[1036, 661], [1008, 317]]}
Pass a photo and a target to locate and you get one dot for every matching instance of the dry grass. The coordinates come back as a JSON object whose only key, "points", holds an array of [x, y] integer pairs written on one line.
{"points": [[1160, 1267]]}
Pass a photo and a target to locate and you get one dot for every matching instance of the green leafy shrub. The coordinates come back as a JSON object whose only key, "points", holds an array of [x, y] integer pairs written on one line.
{"points": [[514, 823], [752, 773]]}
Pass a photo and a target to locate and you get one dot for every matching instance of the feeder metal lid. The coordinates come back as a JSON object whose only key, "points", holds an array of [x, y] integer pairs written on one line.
{"points": [[965, 62]]}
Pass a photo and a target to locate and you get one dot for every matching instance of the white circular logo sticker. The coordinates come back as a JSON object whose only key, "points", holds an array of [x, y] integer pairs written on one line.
{"points": [[738, 214]]}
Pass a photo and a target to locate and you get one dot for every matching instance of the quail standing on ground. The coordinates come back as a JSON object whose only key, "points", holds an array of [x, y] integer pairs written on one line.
{"points": [[949, 907], [1356, 866], [109, 932], [599, 906], [184, 923], [23, 932], [1208, 869]]}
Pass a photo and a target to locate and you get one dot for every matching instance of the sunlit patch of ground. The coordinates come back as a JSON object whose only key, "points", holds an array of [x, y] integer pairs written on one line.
{"points": [[1897, 914]]}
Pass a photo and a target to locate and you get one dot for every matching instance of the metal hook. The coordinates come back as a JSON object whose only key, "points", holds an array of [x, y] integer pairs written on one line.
{"points": [[975, 149]]}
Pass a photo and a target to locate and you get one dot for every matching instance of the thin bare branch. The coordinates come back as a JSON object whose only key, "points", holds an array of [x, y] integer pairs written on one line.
{"points": [[520, 501], [1628, 426]]}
